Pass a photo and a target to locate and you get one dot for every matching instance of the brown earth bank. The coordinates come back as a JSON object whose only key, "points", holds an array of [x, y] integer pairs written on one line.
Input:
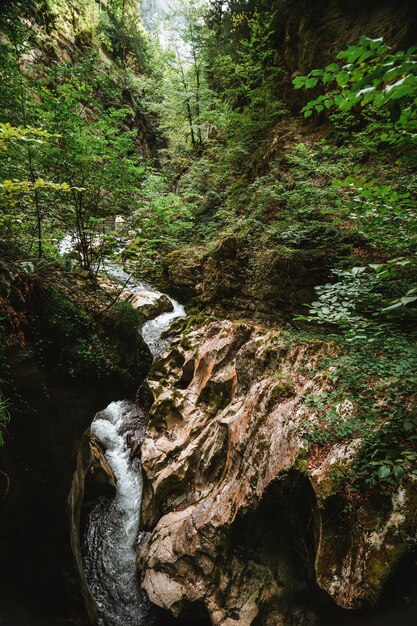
{"points": [[248, 523]]}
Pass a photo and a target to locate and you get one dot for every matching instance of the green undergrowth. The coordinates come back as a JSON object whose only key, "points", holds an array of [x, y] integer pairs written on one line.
{"points": [[328, 205], [368, 394], [290, 208], [94, 347], [75, 337], [63, 323]]}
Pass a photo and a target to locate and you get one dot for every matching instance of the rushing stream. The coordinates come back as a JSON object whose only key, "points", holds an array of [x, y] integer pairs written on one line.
{"points": [[153, 329], [113, 525], [112, 535]]}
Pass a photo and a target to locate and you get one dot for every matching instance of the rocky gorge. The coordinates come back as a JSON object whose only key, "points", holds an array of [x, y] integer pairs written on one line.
{"points": [[207, 313], [244, 520]]}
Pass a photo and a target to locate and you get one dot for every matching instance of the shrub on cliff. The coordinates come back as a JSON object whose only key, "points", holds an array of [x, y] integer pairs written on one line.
{"points": [[376, 82]]}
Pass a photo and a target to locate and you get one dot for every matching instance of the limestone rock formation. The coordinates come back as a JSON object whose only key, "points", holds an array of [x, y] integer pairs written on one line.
{"points": [[244, 517]]}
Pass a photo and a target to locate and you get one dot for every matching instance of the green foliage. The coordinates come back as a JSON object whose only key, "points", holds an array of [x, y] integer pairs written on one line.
{"points": [[367, 301], [65, 128], [383, 214], [70, 160], [218, 107], [371, 76], [15, 223], [211, 93], [121, 27], [74, 333], [131, 355], [364, 299], [246, 79], [162, 222], [97, 159], [390, 452], [177, 90], [125, 321], [369, 395], [81, 349]]}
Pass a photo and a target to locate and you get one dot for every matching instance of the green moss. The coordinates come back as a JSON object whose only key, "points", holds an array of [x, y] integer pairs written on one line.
{"points": [[125, 320], [381, 566], [301, 464], [329, 485], [216, 395]]}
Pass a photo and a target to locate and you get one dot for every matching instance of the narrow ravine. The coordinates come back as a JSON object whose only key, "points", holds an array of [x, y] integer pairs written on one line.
{"points": [[112, 533]]}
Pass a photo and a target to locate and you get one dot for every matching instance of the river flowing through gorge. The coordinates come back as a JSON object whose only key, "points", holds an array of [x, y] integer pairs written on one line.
{"points": [[112, 533]]}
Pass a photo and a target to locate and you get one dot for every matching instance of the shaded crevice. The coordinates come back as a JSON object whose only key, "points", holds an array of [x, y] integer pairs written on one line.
{"points": [[186, 376], [280, 535], [193, 614]]}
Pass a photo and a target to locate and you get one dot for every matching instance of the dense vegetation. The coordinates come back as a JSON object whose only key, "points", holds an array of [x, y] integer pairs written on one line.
{"points": [[255, 175]]}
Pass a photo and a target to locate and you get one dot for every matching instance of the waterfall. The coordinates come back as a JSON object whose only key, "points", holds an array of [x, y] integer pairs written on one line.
{"points": [[112, 534], [153, 329]]}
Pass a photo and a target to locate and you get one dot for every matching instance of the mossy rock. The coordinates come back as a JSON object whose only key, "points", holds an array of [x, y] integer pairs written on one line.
{"points": [[183, 270], [93, 347]]}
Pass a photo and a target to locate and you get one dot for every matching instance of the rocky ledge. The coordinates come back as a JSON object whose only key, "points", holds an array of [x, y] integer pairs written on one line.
{"points": [[245, 518]]}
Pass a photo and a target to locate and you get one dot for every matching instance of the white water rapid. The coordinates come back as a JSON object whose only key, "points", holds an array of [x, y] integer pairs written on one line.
{"points": [[113, 527], [152, 330], [112, 536]]}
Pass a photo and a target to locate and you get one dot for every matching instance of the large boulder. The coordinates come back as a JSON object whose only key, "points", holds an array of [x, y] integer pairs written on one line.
{"points": [[150, 303], [183, 270]]}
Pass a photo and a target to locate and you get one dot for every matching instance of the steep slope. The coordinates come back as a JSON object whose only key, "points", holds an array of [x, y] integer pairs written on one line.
{"points": [[268, 226]]}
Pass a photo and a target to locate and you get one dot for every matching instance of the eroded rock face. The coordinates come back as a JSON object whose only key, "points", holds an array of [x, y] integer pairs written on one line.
{"points": [[243, 517], [227, 279], [101, 480]]}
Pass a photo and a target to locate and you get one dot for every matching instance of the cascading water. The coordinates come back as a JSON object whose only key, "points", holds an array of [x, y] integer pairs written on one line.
{"points": [[112, 534], [113, 525], [152, 330]]}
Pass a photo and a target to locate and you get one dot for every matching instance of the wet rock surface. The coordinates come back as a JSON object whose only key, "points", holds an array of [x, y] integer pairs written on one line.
{"points": [[242, 518], [150, 304]]}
